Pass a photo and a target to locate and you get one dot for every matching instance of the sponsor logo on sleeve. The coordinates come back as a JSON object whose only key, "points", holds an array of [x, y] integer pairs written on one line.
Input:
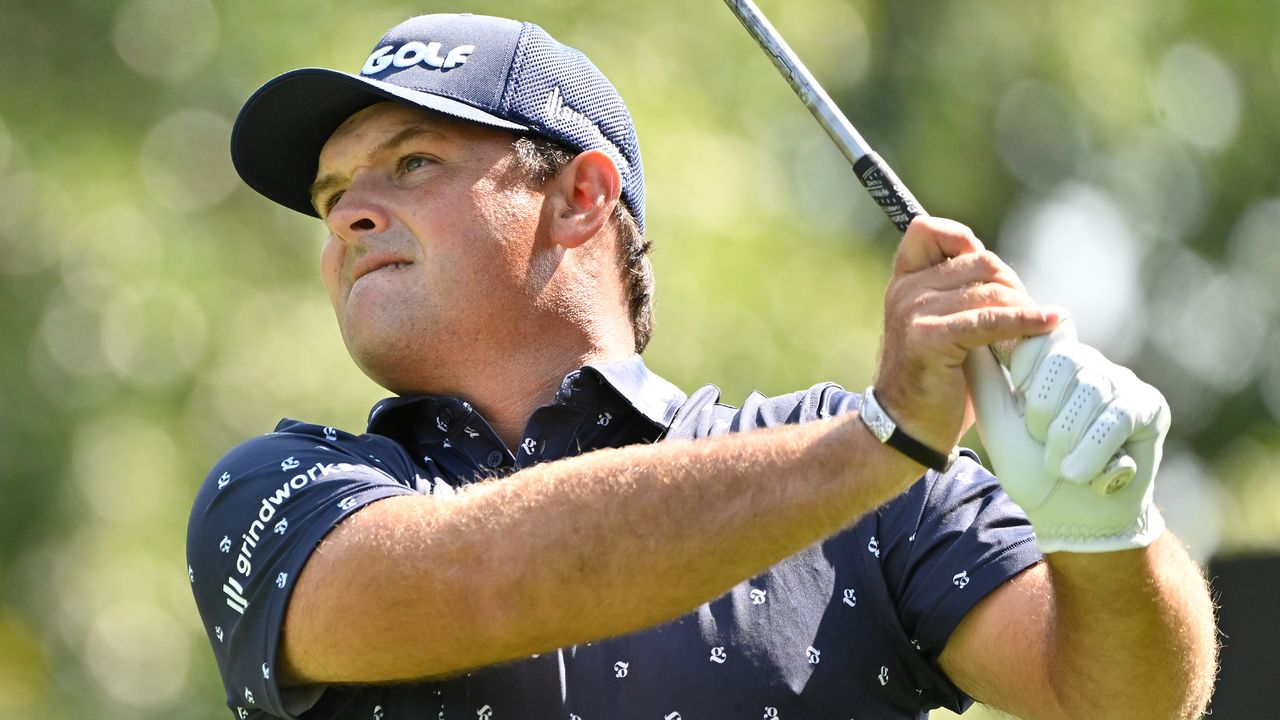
{"points": [[267, 509]]}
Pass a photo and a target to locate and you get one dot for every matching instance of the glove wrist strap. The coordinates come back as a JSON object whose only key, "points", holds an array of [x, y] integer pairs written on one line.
{"points": [[1145, 529]]}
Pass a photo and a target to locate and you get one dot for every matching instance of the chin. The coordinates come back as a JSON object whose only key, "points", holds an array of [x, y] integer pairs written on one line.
{"points": [[385, 358], [397, 380]]}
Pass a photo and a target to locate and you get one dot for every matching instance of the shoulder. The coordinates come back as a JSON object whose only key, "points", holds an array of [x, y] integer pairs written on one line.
{"points": [[296, 447], [293, 457], [256, 519]]}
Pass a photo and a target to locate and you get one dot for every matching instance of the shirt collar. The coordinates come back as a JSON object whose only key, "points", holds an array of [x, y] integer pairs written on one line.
{"points": [[629, 380], [654, 397]]}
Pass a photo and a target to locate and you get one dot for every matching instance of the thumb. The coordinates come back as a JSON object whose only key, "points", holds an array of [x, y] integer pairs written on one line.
{"points": [[1016, 457], [930, 240]]}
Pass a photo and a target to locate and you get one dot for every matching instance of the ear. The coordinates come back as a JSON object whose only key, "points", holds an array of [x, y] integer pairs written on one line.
{"points": [[584, 194]]}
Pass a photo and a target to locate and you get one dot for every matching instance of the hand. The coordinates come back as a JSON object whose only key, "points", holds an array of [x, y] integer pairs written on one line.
{"points": [[948, 295], [1051, 427]]}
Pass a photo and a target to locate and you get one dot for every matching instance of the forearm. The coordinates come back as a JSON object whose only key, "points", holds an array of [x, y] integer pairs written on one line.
{"points": [[575, 550], [1133, 633]]}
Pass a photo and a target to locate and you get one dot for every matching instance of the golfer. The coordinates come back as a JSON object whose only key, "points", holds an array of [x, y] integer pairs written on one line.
{"points": [[536, 526]]}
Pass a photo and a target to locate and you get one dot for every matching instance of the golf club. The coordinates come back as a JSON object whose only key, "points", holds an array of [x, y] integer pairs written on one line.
{"points": [[873, 172]]}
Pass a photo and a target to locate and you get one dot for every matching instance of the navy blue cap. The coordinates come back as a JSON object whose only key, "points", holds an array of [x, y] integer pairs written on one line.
{"points": [[487, 70]]}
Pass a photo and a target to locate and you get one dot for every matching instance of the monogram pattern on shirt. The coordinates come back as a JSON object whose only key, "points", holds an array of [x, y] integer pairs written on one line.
{"points": [[448, 468]]}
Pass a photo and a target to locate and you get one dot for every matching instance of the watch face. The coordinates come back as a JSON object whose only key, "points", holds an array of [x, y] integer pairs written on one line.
{"points": [[875, 418]]}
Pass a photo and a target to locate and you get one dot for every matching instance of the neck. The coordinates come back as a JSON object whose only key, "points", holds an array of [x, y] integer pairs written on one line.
{"points": [[508, 384], [507, 394]]}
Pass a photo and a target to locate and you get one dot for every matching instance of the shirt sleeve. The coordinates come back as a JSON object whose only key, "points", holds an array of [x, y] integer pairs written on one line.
{"points": [[947, 543], [254, 523]]}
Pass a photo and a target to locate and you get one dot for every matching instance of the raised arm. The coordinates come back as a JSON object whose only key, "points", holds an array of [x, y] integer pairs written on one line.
{"points": [[1128, 634], [1118, 622], [575, 550], [619, 540]]}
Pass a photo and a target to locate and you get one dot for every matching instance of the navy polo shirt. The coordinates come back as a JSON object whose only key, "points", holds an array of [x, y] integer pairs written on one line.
{"points": [[850, 627]]}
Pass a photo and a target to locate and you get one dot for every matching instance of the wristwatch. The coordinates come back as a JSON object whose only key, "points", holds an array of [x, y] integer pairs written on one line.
{"points": [[887, 432]]}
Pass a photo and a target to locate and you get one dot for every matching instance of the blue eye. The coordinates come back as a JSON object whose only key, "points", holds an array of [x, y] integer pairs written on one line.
{"points": [[412, 162]]}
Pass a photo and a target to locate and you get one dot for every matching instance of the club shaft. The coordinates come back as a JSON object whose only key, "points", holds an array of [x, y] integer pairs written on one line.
{"points": [[873, 172]]}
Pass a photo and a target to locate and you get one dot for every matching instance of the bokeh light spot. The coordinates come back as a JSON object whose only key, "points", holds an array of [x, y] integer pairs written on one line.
{"points": [[1077, 249], [109, 249], [137, 653], [1039, 135], [185, 163], [1197, 96], [126, 467], [1254, 248], [30, 234], [1205, 320], [6, 146], [23, 667], [70, 332], [166, 39], [1157, 178], [153, 338], [1191, 500]]}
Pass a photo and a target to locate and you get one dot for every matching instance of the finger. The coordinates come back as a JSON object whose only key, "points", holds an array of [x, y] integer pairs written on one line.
{"points": [[1146, 444], [1032, 351], [931, 240], [968, 297], [1086, 403], [1054, 380], [1137, 414], [969, 329], [1105, 435], [982, 266]]}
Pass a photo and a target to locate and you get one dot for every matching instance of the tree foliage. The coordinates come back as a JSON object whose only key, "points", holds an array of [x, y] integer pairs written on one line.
{"points": [[1121, 154]]}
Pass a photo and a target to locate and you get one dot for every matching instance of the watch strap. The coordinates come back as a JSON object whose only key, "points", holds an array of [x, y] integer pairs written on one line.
{"points": [[888, 432]]}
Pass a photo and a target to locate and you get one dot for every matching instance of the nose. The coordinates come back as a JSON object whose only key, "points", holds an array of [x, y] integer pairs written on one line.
{"points": [[360, 211]]}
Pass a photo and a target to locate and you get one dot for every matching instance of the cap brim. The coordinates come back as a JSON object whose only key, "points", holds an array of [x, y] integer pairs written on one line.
{"points": [[276, 141]]}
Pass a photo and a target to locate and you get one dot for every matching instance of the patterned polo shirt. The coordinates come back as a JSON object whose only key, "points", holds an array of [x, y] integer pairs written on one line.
{"points": [[850, 627]]}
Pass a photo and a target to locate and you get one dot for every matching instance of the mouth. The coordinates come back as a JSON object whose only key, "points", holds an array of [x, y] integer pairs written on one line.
{"points": [[377, 263]]}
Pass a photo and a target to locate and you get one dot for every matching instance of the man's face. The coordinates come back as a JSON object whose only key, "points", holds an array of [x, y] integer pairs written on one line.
{"points": [[432, 237]]}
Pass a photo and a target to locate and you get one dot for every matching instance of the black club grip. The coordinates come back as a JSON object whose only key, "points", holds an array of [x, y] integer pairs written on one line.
{"points": [[887, 190]]}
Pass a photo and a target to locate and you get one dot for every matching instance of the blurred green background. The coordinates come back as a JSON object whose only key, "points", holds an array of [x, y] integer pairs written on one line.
{"points": [[1121, 154]]}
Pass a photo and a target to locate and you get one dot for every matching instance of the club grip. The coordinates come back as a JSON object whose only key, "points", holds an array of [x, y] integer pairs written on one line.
{"points": [[887, 190]]}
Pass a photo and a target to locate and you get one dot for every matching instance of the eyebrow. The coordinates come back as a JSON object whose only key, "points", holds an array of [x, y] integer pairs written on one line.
{"points": [[327, 182]]}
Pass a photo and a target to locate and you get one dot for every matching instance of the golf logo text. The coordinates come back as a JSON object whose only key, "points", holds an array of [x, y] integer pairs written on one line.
{"points": [[413, 53]]}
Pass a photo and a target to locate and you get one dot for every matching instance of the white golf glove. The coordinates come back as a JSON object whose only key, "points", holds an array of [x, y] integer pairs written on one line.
{"points": [[1075, 440]]}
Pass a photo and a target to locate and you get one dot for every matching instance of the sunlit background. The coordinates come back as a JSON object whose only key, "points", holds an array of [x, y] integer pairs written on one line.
{"points": [[1122, 154]]}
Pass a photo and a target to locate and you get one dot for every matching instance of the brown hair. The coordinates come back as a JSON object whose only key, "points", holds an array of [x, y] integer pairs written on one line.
{"points": [[540, 159]]}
